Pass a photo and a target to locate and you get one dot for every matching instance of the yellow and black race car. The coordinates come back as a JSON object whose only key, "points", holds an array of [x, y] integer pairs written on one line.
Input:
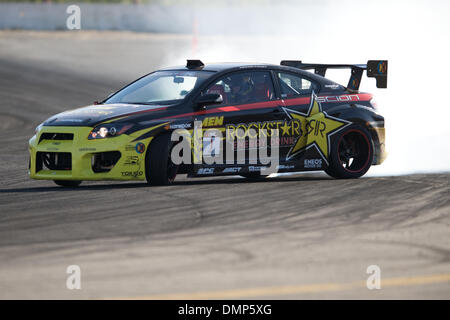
{"points": [[233, 112]]}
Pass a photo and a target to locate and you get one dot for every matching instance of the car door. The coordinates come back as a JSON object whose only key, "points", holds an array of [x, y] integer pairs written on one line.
{"points": [[249, 101], [295, 91]]}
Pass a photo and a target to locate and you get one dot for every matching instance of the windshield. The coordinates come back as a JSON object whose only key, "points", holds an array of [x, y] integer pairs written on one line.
{"points": [[161, 87]]}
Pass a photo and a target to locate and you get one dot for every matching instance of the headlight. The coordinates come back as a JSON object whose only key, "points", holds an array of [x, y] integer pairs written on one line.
{"points": [[108, 130]]}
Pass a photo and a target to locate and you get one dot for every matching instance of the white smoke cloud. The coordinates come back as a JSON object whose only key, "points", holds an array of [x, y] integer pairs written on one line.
{"points": [[412, 35]]}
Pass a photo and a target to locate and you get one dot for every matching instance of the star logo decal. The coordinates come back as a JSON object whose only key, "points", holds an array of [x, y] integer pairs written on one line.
{"points": [[285, 128], [316, 129]]}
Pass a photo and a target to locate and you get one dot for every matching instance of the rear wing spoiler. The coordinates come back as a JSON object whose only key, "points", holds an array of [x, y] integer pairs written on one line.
{"points": [[375, 69]]}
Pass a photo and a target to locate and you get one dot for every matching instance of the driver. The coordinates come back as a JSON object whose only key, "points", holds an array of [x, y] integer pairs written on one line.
{"points": [[241, 87]]}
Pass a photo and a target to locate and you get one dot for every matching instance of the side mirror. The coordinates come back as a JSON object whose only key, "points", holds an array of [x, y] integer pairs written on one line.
{"points": [[209, 99]]}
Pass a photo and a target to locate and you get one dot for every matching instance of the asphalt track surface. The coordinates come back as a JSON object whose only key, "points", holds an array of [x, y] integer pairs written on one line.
{"points": [[297, 237]]}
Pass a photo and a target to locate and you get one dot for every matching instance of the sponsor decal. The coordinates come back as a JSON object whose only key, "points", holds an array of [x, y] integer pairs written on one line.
{"points": [[341, 98], [312, 163], [132, 160], [212, 121], [180, 126], [140, 147], [72, 120], [87, 149], [205, 171], [133, 174], [355, 83], [232, 170], [332, 86], [317, 127], [91, 111], [285, 166], [382, 67], [255, 129], [240, 144], [256, 169]]}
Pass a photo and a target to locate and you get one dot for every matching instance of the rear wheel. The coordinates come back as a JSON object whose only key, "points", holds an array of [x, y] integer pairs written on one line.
{"points": [[159, 168], [68, 183], [351, 153]]}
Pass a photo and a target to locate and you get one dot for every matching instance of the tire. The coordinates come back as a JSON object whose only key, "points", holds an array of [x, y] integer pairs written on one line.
{"points": [[159, 169], [67, 183], [351, 153]]}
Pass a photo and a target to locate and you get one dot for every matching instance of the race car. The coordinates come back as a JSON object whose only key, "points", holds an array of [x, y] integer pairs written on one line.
{"points": [[230, 112]]}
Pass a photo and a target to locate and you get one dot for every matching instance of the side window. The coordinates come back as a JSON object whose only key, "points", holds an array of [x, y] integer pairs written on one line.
{"points": [[293, 85], [244, 87]]}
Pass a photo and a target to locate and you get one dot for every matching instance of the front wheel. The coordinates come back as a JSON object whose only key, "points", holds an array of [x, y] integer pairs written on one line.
{"points": [[159, 168], [351, 153], [67, 183]]}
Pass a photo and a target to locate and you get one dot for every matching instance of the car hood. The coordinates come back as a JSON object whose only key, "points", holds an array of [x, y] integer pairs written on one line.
{"points": [[94, 114]]}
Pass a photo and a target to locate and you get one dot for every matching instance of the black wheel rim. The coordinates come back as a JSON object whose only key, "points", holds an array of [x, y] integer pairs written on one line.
{"points": [[354, 151]]}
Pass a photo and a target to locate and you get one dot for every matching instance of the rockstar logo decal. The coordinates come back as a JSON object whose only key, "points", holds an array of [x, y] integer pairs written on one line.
{"points": [[316, 127]]}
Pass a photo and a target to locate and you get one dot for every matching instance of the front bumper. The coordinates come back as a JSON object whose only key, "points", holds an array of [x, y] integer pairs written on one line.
{"points": [[76, 158], [380, 153]]}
